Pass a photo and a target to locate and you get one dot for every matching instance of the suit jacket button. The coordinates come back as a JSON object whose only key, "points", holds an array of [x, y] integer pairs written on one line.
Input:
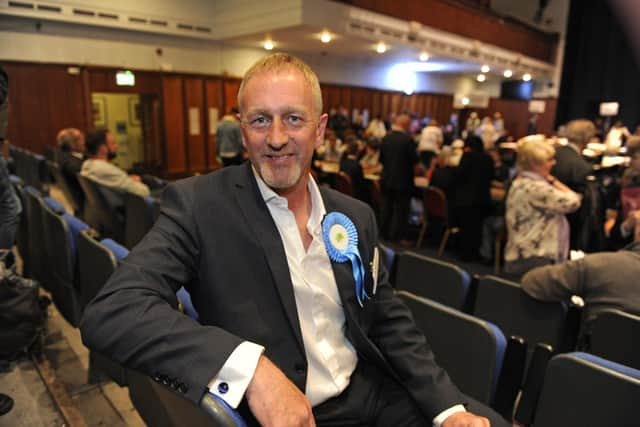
{"points": [[166, 381], [299, 367], [157, 378], [182, 388], [223, 388]]}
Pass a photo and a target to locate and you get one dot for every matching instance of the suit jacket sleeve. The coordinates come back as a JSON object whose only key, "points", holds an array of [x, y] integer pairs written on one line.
{"points": [[406, 350], [133, 319], [555, 282]]}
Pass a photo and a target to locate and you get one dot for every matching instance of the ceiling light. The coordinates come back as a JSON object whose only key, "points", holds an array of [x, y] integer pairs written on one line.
{"points": [[268, 44], [508, 73], [485, 68], [481, 78], [465, 100], [424, 56], [381, 47], [526, 77], [325, 37]]}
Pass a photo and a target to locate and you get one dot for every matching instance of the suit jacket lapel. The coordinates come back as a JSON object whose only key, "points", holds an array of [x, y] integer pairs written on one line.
{"points": [[259, 219]]}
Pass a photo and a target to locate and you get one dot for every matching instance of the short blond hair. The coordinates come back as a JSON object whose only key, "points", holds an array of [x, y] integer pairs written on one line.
{"points": [[533, 152], [580, 131], [279, 62]]}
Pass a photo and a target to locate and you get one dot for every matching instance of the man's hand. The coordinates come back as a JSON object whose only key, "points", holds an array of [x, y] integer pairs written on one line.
{"points": [[275, 401], [465, 419], [136, 178]]}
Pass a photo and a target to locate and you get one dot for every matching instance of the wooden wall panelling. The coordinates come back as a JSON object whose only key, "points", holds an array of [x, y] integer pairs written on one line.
{"points": [[395, 105], [174, 126], [325, 98], [43, 99], [230, 91], [213, 99], [376, 103], [196, 138]]}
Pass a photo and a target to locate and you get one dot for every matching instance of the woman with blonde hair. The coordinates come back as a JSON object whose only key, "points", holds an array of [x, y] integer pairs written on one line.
{"points": [[538, 231]]}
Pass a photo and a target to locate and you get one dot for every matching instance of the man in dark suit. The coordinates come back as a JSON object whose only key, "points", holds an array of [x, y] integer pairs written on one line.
{"points": [[398, 157], [283, 330]]}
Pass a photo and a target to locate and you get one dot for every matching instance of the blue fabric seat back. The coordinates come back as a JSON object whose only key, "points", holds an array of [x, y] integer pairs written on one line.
{"points": [[118, 250], [471, 350], [585, 390], [185, 299], [503, 303], [431, 278]]}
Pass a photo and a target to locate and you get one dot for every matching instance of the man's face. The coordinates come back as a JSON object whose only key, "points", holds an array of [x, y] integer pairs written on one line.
{"points": [[112, 145], [280, 127], [78, 145]]}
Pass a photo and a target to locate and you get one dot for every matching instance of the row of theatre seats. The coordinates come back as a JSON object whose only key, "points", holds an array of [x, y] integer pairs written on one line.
{"points": [[517, 354], [72, 261], [123, 217], [498, 345]]}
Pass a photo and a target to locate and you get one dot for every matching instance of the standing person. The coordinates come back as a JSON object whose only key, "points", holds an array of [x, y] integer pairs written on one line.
{"points": [[472, 199], [537, 229], [229, 139], [398, 157], [285, 328], [431, 139], [616, 137]]}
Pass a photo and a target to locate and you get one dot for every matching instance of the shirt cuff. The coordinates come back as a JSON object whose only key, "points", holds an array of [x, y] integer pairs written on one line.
{"points": [[437, 421], [235, 375]]}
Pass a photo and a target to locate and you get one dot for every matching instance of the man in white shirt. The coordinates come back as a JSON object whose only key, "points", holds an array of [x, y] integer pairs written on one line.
{"points": [[286, 333], [102, 147]]}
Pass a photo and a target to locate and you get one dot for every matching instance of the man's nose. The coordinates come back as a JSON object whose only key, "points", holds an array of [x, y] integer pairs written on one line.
{"points": [[278, 134]]}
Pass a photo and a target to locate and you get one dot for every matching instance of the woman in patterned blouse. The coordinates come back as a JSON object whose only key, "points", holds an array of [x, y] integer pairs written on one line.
{"points": [[537, 229]]}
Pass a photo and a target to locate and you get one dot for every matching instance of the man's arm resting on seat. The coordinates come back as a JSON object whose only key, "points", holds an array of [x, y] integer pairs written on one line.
{"points": [[272, 398]]}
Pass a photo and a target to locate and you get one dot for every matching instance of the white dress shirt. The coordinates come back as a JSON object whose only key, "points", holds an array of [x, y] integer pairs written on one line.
{"points": [[331, 357]]}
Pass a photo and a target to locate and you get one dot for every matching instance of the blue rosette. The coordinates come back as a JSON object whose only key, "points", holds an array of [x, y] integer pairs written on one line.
{"points": [[341, 241]]}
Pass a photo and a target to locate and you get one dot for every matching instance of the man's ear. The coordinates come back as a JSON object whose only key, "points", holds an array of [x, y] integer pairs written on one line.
{"points": [[322, 126]]}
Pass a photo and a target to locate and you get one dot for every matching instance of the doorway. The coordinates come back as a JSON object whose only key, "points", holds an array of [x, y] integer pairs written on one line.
{"points": [[133, 119]]}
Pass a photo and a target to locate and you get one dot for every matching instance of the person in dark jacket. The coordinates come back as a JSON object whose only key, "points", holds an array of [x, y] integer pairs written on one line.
{"points": [[350, 165], [472, 200], [398, 157]]}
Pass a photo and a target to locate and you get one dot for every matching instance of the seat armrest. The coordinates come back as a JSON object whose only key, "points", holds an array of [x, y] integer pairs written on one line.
{"points": [[220, 412], [511, 376], [533, 384]]}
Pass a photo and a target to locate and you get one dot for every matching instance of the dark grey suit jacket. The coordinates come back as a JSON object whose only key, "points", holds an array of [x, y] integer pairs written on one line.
{"points": [[216, 237]]}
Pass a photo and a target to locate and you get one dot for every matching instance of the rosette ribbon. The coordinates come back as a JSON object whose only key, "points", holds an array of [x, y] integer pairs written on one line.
{"points": [[341, 241]]}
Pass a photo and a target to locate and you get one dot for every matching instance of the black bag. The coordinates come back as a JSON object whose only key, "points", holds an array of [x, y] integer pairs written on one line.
{"points": [[22, 315]]}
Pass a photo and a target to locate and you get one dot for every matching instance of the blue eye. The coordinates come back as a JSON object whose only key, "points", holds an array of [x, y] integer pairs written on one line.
{"points": [[259, 122]]}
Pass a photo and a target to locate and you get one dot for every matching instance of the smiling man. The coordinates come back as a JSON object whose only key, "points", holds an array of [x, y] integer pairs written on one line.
{"points": [[298, 325]]}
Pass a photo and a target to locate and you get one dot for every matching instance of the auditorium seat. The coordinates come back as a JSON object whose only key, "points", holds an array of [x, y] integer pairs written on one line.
{"points": [[503, 303], [61, 231], [35, 259], [615, 336], [343, 183], [104, 209], [471, 350], [436, 208], [585, 390], [97, 260], [139, 217], [62, 183], [431, 278]]}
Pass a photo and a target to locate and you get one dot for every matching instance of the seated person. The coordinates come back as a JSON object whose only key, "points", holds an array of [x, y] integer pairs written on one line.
{"points": [[370, 162], [331, 150], [72, 154], [102, 147], [603, 280], [349, 165], [537, 229], [622, 232], [285, 332]]}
